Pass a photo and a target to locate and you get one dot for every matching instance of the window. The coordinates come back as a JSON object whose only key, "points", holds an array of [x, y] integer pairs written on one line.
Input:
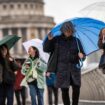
{"points": [[4, 6], [26, 6], [31, 5], [19, 6], [11, 6], [5, 31]]}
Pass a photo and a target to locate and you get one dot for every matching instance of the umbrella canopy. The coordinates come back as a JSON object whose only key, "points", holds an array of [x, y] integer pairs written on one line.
{"points": [[87, 30], [9, 40], [95, 10], [38, 44]]}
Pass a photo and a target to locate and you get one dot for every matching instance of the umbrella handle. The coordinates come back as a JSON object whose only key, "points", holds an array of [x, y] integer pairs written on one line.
{"points": [[80, 64]]}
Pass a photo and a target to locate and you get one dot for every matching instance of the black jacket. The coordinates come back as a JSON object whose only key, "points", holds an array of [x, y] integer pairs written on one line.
{"points": [[8, 71], [63, 60]]}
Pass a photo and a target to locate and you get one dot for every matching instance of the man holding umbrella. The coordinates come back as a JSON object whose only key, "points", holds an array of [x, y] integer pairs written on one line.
{"points": [[64, 61]]}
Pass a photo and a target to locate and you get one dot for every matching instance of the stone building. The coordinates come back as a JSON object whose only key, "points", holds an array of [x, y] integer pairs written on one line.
{"points": [[24, 18]]}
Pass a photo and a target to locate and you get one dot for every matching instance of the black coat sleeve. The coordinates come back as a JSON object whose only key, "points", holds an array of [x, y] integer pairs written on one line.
{"points": [[14, 66], [49, 45]]}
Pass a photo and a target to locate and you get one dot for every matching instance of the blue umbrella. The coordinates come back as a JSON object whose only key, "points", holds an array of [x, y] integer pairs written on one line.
{"points": [[87, 30]]}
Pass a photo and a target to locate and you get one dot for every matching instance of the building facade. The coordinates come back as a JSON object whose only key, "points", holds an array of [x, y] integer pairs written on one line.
{"points": [[24, 18]]}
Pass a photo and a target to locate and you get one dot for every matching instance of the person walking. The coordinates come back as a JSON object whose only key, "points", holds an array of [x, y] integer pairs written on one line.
{"points": [[64, 61]]}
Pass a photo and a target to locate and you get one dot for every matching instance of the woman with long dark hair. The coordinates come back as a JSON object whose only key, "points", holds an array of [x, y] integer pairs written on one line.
{"points": [[8, 66], [34, 77], [101, 41], [101, 44]]}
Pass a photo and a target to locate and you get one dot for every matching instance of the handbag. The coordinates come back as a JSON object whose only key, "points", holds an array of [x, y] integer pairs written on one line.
{"points": [[50, 81], [102, 62]]}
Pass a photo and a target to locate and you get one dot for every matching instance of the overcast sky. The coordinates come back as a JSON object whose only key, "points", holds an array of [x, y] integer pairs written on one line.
{"points": [[65, 9]]}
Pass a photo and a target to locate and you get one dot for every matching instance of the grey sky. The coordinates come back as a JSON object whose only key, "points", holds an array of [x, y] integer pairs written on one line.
{"points": [[64, 9]]}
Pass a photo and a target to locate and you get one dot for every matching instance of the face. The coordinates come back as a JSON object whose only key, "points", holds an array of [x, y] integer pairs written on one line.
{"points": [[31, 51], [68, 33], [103, 32]]}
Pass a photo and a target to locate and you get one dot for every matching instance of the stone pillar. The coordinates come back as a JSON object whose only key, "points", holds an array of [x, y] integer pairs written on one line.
{"points": [[36, 33], [28, 33], [43, 33], [20, 50], [9, 31]]}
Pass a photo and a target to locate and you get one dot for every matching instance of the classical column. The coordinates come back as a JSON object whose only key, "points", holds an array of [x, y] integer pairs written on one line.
{"points": [[36, 33], [43, 33], [9, 31], [20, 50], [28, 33]]}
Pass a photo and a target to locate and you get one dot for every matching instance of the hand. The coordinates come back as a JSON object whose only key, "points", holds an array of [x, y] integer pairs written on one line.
{"points": [[27, 66], [50, 36], [11, 59], [80, 55], [48, 74]]}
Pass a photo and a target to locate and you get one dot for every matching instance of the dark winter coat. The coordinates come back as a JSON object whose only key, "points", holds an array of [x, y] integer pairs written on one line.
{"points": [[8, 71], [63, 60]]}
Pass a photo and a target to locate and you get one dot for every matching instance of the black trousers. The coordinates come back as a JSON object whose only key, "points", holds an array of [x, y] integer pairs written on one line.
{"points": [[75, 95], [6, 92], [52, 90], [21, 94]]}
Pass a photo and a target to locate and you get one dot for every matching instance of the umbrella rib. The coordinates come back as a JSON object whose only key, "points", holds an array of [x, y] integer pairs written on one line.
{"points": [[88, 38], [89, 30], [92, 27]]}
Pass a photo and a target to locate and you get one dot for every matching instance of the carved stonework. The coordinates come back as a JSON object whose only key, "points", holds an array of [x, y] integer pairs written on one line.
{"points": [[24, 18]]}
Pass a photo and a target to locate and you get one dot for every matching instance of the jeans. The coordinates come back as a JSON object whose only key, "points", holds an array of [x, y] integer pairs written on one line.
{"points": [[36, 92], [21, 92], [6, 92]]}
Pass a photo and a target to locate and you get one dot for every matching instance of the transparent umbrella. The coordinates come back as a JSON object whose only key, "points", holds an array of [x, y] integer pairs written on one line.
{"points": [[37, 43], [95, 10]]}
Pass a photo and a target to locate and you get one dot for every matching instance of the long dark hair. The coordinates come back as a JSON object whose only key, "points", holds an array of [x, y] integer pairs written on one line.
{"points": [[100, 38], [37, 52], [100, 34], [2, 59], [8, 53]]}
